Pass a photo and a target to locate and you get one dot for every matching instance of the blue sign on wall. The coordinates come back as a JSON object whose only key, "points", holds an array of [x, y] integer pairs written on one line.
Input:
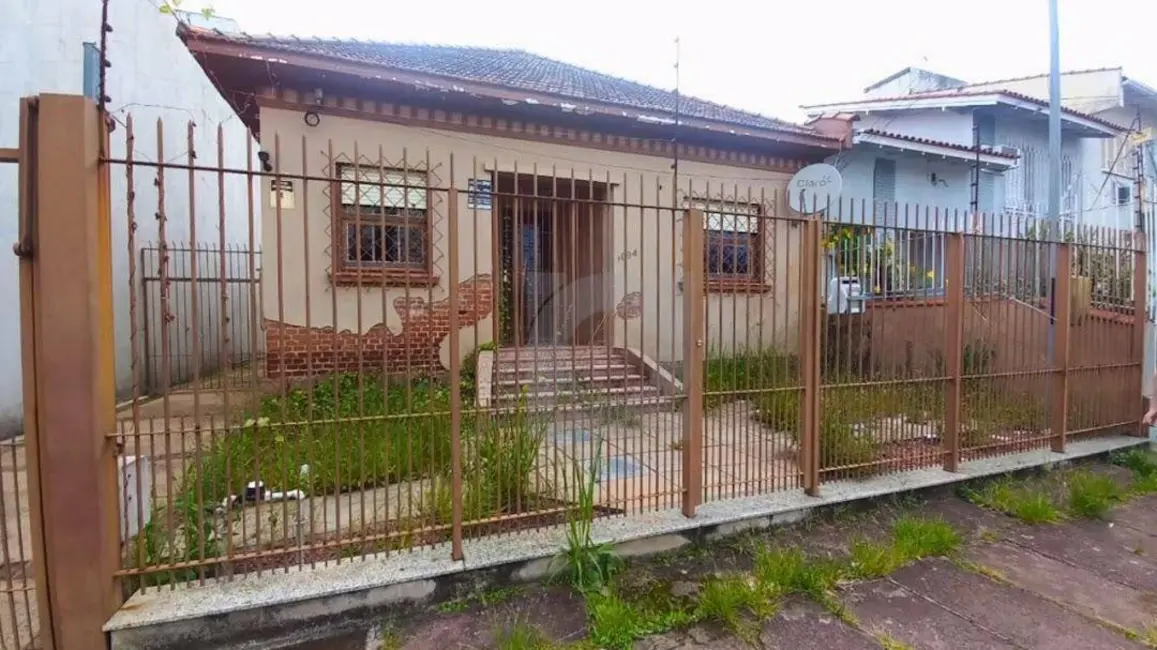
{"points": [[479, 193]]}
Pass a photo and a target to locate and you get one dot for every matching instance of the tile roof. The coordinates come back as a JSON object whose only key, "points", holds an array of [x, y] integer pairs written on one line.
{"points": [[510, 69], [935, 94], [937, 143]]}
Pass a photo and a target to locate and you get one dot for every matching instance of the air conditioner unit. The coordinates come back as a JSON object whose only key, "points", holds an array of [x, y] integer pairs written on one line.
{"points": [[845, 295], [1006, 150]]}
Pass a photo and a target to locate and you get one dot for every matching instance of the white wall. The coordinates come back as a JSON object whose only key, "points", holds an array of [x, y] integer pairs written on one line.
{"points": [[934, 124], [152, 76], [914, 186]]}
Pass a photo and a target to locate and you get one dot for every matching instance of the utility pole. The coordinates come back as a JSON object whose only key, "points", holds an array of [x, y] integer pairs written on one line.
{"points": [[1054, 207]]}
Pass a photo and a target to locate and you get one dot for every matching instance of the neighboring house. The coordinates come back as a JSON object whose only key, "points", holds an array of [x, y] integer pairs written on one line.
{"points": [[918, 138], [1108, 166], [51, 46], [503, 115]]}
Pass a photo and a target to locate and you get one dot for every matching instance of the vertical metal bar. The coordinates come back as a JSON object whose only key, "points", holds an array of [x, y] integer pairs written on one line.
{"points": [[810, 356], [693, 262], [225, 351], [1140, 317], [455, 372], [1062, 301], [953, 347]]}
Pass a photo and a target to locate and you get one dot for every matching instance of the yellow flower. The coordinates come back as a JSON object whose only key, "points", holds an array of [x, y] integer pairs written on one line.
{"points": [[931, 275]]}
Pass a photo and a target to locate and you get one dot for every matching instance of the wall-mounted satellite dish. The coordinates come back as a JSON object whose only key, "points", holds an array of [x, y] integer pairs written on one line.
{"points": [[813, 187]]}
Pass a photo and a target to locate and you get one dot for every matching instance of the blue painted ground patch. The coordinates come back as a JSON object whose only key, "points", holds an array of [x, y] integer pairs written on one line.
{"points": [[617, 467], [572, 437]]}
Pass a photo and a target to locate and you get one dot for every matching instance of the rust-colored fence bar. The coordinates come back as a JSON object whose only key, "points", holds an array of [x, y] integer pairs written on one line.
{"points": [[809, 347], [953, 347], [455, 337], [693, 315], [1140, 318], [68, 365], [1062, 300]]}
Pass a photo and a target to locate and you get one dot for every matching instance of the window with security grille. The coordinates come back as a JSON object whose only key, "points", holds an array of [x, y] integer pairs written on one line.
{"points": [[732, 247], [384, 217]]}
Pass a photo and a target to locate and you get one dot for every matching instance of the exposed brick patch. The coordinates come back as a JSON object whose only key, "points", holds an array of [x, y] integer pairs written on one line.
{"points": [[296, 351]]}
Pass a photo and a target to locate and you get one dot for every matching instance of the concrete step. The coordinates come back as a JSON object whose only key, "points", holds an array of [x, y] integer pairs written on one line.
{"points": [[627, 377], [602, 396], [550, 370]]}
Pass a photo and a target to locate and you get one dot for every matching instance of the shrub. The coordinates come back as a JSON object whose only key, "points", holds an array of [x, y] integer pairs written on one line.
{"points": [[779, 410]]}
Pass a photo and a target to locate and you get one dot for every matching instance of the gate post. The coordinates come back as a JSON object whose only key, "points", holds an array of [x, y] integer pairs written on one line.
{"points": [[1140, 318], [810, 344], [693, 316], [67, 357]]}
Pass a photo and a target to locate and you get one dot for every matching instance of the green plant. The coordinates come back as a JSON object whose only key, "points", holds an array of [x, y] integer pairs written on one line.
{"points": [[1093, 495], [1032, 506], [347, 432], [873, 559], [841, 446], [735, 374], [788, 571], [614, 623], [779, 409], [731, 601], [522, 636], [915, 537], [587, 566], [1143, 464], [888, 642]]}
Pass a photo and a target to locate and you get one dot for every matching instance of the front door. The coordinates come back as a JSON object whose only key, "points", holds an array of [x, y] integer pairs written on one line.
{"points": [[528, 251]]}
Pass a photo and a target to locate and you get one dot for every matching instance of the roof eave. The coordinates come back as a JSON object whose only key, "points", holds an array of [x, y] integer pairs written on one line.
{"points": [[377, 72], [988, 160]]}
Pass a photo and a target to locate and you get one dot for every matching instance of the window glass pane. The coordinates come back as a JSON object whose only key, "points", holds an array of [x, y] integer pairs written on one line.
{"points": [[378, 244], [400, 190], [730, 253], [728, 217]]}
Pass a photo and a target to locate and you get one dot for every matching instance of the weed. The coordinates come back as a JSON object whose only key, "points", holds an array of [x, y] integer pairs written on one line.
{"points": [[888, 642], [1032, 506], [487, 598], [980, 569], [873, 559], [840, 446], [989, 536], [1092, 495], [1143, 464], [391, 639], [779, 410], [614, 623], [789, 571], [915, 538], [1148, 637], [522, 636], [732, 601], [587, 566], [727, 375]]}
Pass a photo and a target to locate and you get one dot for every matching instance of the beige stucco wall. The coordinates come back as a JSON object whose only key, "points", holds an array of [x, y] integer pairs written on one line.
{"points": [[644, 246]]}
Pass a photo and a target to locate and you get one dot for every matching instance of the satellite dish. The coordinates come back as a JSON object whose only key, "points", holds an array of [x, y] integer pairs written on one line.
{"points": [[813, 187]]}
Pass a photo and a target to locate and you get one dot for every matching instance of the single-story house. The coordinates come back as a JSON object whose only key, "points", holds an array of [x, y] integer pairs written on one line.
{"points": [[361, 279]]}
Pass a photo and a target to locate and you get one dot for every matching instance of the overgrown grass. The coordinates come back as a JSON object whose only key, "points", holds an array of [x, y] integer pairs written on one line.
{"points": [[585, 565], [1143, 464], [912, 538], [615, 623], [522, 636], [728, 373], [1093, 495], [737, 602], [789, 571], [347, 432], [916, 537], [1032, 505]]}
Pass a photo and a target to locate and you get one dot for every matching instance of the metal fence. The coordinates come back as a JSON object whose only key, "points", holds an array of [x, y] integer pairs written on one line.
{"points": [[456, 347], [227, 293]]}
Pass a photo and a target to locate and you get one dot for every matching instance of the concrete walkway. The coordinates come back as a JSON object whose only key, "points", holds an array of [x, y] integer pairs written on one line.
{"points": [[1079, 584]]}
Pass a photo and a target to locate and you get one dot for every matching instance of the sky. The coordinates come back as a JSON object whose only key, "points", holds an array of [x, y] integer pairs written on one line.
{"points": [[767, 56]]}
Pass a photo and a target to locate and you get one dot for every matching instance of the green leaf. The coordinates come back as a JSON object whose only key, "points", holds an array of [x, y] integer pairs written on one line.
{"points": [[166, 9]]}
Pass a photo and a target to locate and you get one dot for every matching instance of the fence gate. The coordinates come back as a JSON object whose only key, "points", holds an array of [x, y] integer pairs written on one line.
{"points": [[168, 350]]}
